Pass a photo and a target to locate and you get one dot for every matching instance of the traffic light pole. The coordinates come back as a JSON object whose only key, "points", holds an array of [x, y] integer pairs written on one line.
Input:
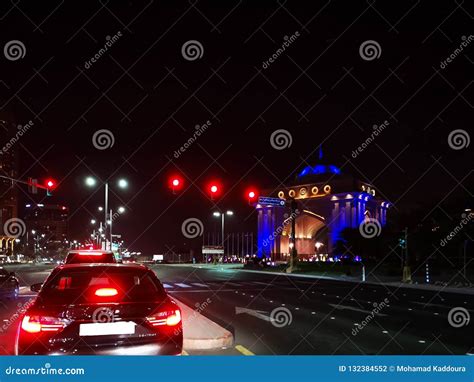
{"points": [[24, 182]]}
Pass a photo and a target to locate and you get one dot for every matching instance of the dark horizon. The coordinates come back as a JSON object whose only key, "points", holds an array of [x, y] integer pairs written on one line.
{"points": [[319, 89]]}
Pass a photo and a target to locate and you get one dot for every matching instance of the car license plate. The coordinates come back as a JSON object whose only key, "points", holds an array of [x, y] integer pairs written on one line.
{"points": [[107, 328]]}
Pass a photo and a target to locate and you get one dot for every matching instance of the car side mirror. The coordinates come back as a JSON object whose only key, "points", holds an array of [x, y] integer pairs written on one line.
{"points": [[36, 287]]}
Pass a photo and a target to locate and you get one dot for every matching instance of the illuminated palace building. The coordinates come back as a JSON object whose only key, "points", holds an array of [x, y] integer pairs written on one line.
{"points": [[328, 201]]}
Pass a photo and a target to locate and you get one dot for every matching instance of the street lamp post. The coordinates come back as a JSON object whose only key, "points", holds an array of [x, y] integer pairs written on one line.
{"points": [[91, 182], [222, 216]]}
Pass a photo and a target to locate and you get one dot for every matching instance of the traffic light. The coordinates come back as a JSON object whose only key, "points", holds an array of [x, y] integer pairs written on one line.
{"points": [[402, 243], [175, 183], [214, 189], [50, 186], [251, 195]]}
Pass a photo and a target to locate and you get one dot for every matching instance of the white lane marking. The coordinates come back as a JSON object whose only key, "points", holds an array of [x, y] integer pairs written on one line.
{"points": [[200, 285], [343, 307], [181, 285], [167, 286], [259, 283]]}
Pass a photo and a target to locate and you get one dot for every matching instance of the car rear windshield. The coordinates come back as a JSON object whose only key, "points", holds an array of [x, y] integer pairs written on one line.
{"points": [[102, 285], [77, 258]]}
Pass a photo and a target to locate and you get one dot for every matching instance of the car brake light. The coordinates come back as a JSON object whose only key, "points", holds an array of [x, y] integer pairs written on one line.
{"points": [[168, 318], [36, 324], [106, 292], [90, 254]]}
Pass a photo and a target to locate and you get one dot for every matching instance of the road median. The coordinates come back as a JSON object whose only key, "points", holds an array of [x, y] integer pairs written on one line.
{"points": [[201, 333]]}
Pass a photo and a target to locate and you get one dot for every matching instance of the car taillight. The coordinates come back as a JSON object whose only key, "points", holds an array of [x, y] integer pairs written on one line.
{"points": [[37, 324], [168, 318]]}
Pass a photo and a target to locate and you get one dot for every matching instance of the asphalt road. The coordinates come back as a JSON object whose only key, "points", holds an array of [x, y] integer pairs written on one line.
{"points": [[319, 316]]}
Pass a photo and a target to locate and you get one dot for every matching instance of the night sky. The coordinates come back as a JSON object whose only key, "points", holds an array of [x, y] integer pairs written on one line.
{"points": [[320, 90]]}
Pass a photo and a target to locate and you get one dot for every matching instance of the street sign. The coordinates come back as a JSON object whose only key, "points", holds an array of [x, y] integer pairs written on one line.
{"points": [[271, 201]]}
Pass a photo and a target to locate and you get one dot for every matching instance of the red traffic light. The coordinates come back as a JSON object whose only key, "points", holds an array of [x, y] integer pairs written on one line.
{"points": [[175, 182], [251, 194], [214, 189], [50, 183]]}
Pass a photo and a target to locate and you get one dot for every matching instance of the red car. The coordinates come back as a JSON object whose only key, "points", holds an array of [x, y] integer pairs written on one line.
{"points": [[110, 309]]}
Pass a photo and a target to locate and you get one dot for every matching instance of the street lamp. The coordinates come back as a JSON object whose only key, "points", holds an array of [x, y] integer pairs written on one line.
{"points": [[91, 182], [222, 215], [93, 221], [121, 210]]}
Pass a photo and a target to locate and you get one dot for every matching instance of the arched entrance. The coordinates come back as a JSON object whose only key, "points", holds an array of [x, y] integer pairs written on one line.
{"points": [[310, 229]]}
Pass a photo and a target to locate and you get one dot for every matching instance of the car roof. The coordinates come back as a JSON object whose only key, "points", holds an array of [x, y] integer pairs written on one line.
{"points": [[102, 265], [74, 251]]}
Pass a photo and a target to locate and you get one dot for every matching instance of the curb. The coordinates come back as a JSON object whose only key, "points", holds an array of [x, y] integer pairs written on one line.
{"points": [[201, 333]]}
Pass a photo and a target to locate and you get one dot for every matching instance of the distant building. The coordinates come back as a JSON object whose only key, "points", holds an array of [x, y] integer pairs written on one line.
{"points": [[328, 201], [50, 220], [8, 190]]}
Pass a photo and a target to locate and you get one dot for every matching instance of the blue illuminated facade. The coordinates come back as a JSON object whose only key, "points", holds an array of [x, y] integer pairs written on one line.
{"points": [[328, 202]]}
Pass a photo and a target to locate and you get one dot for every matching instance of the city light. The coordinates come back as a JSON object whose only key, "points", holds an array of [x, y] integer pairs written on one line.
{"points": [[214, 189], [217, 214], [93, 221], [121, 210], [90, 181], [122, 183]]}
